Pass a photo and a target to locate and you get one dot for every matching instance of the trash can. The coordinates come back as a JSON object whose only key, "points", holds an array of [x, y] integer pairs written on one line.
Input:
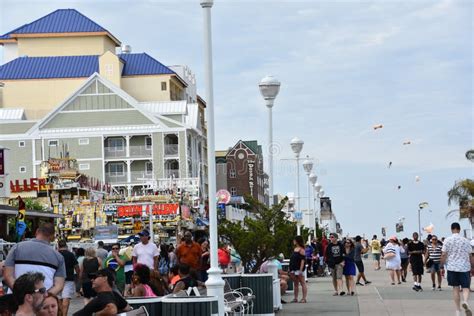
{"points": [[262, 287], [189, 306], [152, 304], [234, 280]]}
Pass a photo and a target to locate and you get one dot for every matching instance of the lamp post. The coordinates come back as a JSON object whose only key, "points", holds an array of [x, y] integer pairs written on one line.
{"points": [[214, 284], [297, 147], [312, 180], [317, 189], [269, 88], [308, 167]]}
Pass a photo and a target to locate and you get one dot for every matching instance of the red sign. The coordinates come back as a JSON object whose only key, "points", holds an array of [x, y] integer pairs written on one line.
{"points": [[139, 210], [34, 184]]}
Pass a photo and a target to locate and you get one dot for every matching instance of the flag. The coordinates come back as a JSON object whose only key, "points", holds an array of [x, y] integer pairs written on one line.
{"points": [[20, 219]]}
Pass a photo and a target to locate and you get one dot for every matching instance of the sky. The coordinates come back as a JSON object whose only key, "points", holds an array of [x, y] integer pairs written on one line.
{"points": [[344, 66]]}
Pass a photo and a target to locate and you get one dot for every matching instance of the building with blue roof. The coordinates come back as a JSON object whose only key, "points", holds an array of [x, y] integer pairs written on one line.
{"points": [[127, 118]]}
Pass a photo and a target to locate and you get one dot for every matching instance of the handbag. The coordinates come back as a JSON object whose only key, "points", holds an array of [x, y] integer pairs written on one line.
{"points": [[429, 263]]}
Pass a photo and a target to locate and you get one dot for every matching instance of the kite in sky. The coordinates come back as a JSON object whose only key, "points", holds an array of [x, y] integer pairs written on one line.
{"points": [[407, 142], [417, 178], [399, 187], [389, 164], [376, 127]]}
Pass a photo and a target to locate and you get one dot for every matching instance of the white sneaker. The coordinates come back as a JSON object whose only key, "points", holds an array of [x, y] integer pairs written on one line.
{"points": [[467, 309]]}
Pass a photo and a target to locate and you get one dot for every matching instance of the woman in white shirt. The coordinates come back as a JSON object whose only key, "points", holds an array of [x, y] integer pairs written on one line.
{"points": [[392, 259]]}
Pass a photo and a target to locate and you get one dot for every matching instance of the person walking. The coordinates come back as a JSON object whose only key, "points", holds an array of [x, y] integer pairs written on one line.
{"points": [[72, 266], [297, 267], [47, 260], [116, 262], [146, 252], [433, 261], [392, 259], [455, 255], [416, 249], [335, 260], [376, 247], [101, 252], [29, 293], [349, 269], [404, 258], [359, 250], [204, 264], [189, 252], [91, 264]]}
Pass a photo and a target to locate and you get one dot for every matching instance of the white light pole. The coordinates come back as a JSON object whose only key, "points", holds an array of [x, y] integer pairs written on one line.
{"points": [[308, 166], [317, 189], [269, 88], [214, 284], [312, 180], [297, 147]]}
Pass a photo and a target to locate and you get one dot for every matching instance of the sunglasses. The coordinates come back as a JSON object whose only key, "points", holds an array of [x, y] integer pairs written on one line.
{"points": [[41, 290], [115, 248]]}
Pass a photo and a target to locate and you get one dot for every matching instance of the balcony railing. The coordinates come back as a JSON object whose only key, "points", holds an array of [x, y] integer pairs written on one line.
{"points": [[172, 173], [121, 152], [171, 150], [141, 176], [111, 177]]}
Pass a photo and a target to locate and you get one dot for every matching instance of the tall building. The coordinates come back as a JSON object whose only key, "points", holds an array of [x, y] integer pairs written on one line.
{"points": [[68, 84], [240, 171]]}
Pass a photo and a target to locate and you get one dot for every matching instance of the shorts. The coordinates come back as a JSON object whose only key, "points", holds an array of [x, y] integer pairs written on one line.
{"points": [[296, 273], [417, 267], [462, 279], [336, 272], [435, 267], [404, 263], [360, 266], [376, 256], [68, 291]]}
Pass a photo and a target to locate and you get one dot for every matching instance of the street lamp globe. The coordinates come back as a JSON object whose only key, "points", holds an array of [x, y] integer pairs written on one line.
{"points": [[307, 165], [297, 145], [313, 178], [269, 88], [318, 187], [321, 193]]}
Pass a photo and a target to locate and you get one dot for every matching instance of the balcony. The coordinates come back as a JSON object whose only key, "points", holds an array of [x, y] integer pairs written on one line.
{"points": [[172, 173], [121, 152], [113, 178], [171, 150], [141, 176]]}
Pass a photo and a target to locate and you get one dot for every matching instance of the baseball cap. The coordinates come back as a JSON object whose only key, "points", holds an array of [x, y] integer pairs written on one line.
{"points": [[144, 232], [103, 272], [393, 238]]}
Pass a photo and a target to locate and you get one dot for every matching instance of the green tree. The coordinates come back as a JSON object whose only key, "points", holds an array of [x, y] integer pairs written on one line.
{"points": [[264, 234]]}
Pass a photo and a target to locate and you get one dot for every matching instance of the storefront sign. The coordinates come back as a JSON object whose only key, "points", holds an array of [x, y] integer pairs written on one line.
{"points": [[106, 232], [250, 166], [2, 162], [144, 209], [33, 184]]}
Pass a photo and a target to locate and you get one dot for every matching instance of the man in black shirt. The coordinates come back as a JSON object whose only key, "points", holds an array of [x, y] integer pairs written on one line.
{"points": [[415, 250], [335, 261], [107, 301], [72, 265]]}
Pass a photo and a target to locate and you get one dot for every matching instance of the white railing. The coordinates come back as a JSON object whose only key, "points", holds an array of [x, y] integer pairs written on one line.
{"points": [[171, 173], [121, 152], [115, 177], [140, 151]]}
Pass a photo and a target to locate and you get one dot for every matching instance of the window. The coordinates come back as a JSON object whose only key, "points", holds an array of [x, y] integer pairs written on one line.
{"points": [[116, 144], [83, 141], [148, 142], [53, 143], [116, 169], [84, 166], [232, 173], [22, 169], [163, 86], [148, 167], [233, 191], [21, 143]]}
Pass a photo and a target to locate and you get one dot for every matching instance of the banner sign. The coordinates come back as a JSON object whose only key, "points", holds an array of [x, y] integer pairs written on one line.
{"points": [[2, 162], [144, 209], [106, 232], [33, 184]]}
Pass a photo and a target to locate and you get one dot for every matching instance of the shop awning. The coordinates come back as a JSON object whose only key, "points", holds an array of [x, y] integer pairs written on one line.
{"points": [[8, 210]]}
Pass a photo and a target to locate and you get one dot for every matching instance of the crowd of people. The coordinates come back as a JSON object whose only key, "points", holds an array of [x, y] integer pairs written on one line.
{"points": [[42, 280]]}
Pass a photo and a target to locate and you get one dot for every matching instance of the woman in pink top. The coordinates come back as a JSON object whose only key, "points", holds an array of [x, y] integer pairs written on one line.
{"points": [[142, 287]]}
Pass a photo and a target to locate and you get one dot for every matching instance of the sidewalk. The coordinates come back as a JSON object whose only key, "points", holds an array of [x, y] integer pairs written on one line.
{"points": [[377, 299]]}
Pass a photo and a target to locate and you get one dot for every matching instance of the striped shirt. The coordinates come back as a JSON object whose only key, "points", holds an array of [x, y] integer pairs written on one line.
{"points": [[36, 256], [435, 252]]}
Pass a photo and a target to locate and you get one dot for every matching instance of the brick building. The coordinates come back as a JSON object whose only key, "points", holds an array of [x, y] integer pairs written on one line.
{"points": [[240, 171]]}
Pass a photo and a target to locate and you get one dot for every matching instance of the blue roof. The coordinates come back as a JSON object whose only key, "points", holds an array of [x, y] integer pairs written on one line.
{"points": [[59, 21], [76, 67], [142, 64]]}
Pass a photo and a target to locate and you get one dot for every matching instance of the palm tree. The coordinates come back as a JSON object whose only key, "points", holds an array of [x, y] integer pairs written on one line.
{"points": [[462, 193]]}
